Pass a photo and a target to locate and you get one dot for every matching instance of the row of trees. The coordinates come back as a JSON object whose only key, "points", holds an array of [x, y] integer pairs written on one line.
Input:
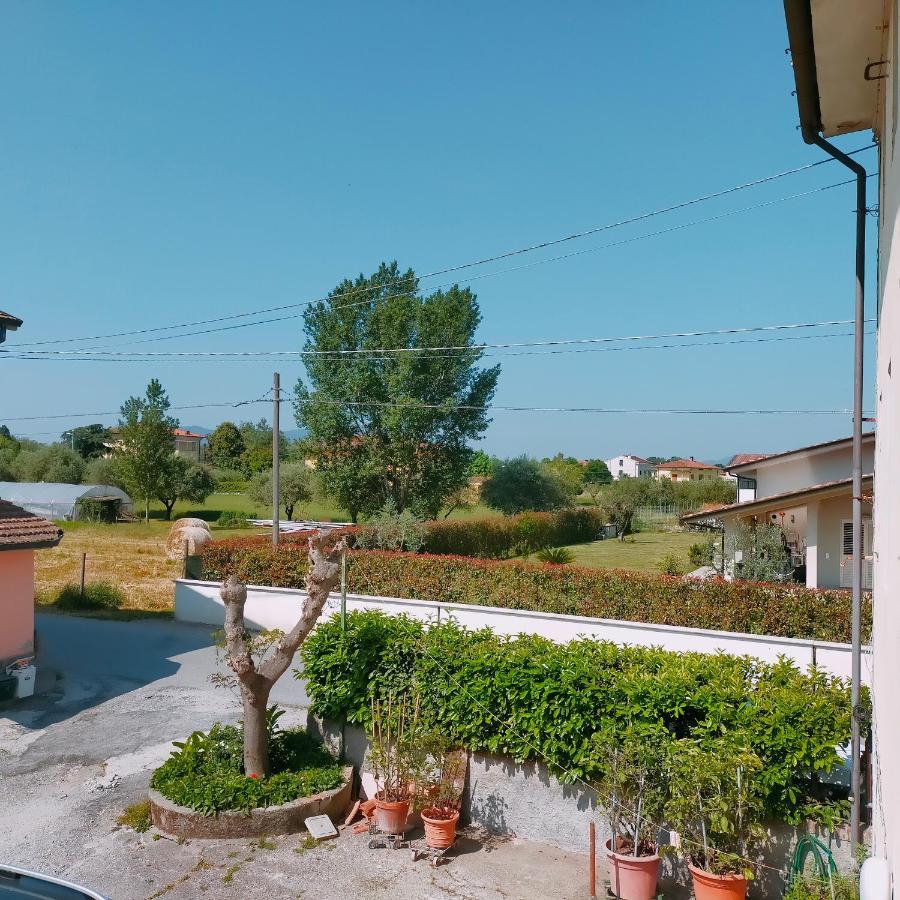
{"points": [[522, 484]]}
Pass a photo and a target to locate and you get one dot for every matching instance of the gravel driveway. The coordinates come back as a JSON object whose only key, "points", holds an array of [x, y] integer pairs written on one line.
{"points": [[71, 760]]}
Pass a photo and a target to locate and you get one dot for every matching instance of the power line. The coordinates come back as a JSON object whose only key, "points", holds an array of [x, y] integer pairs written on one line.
{"points": [[479, 262], [462, 348], [470, 407], [540, 262]]}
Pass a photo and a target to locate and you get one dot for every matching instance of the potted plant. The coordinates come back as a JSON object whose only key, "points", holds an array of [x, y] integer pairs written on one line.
{"points": [[398, 759], [716, 807], [442, 795], [633, 790]]}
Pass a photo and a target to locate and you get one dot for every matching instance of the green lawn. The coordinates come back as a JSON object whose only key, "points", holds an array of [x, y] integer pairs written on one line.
{"points": [[640, 552]]}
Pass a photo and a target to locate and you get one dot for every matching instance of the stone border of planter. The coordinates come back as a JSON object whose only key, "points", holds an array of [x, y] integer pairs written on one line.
{"points": [[182, 822]]}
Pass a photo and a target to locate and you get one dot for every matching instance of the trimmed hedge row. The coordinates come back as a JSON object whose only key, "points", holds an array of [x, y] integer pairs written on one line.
{"points": [[739, 606], [530, 698], [492, 537]]}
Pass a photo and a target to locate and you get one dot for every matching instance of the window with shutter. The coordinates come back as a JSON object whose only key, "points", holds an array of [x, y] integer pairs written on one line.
{"points": [[847, 539]]}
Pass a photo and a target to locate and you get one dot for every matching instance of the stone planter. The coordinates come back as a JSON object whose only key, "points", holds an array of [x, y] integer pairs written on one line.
{"points": [[183, 822]]}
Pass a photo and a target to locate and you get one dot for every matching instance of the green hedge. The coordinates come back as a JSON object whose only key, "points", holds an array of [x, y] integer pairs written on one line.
{"points": [[529, 698], [491, 537], [739, 606]]}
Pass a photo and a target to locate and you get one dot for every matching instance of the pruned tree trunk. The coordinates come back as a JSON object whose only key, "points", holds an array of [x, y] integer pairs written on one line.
{"points": [[256, 680], [256, 736]]}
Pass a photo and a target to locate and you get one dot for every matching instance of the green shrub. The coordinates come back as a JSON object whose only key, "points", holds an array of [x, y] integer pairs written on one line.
{"points": [[206, 772], [702, 553], [838, 887], [230, 518], [670, 564], [783, 610], [97, 595], [558, 556], [529, 698]]}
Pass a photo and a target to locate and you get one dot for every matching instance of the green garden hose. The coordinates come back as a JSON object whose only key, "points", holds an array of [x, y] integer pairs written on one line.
{"points": [[823, 861]]}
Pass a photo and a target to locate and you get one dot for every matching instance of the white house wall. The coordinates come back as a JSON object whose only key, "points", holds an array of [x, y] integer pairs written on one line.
{"points": [[804, 471], [887, 501]]}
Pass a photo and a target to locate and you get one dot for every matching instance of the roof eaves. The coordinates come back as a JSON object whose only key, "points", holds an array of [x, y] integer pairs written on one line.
{"points": [[798, 16]]}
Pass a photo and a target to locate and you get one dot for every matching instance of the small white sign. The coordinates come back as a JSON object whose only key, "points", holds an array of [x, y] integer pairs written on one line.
{"points": [[320, 827]]}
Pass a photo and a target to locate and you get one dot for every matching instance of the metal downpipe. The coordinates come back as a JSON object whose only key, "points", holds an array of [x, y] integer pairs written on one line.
{"points": [[856, 584]]}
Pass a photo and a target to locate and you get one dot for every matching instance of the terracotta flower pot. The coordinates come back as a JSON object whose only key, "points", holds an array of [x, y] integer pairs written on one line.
{"points": [[390, 816], [632, 877], [717, 887], [440, 833]]}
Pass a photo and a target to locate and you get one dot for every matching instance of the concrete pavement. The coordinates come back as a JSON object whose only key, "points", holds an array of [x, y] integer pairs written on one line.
{"points": [[72, 760]]}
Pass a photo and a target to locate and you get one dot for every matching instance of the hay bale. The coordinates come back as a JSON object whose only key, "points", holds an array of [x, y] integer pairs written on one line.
{"points": [[187, 537]]}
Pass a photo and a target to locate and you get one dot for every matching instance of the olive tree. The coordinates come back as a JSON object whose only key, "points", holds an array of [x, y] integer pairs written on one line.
{"points": [[257, 675]]}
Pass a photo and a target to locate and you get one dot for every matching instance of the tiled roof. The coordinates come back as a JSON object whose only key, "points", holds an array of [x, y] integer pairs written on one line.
{"points": [[741, 459], [180, 432], [811, 448], [775, 499], [685, 464], [20, 529], [10, 319]]}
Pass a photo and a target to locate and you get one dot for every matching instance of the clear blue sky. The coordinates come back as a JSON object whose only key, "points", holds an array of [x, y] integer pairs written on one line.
{"points": [[167, 162]]}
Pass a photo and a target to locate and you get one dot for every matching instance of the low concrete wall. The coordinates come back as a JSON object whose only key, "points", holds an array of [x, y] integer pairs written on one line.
{"points": [[526, 800], [272, 607]]}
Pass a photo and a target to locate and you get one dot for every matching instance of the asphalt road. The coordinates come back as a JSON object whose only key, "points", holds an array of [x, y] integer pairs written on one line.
{"points": [[74, 758]]}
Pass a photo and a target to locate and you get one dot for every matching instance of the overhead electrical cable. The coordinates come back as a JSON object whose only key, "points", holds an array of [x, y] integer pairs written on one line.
{"points": [[556, 342], [478, 262]]}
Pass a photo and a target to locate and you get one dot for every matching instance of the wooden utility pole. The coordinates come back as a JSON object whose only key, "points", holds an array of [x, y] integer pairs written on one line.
{"points": [[276, 448]]}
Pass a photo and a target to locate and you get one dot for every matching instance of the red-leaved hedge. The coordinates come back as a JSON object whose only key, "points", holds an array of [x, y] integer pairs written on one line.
{"points": [[740, 606]]}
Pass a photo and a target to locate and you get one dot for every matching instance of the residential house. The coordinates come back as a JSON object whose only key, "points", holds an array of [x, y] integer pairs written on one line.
{"points": [[845, 59], [807, 494], [190, 445], [627, 465], [687, 470], [21, 533]]}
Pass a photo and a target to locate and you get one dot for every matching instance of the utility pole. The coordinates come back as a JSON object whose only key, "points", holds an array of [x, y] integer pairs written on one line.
{"points": [[276, 448]]}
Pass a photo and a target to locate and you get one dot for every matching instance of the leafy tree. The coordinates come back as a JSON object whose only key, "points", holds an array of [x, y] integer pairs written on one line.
{"points": [[620, 501], [568, 472], [226, 446], [147, 443], [522, 484], [88, 441], [295, 483], [257, 437], [183, 480], [394, 425], [54, 463], [481, 464], [758, 553], [597, 472], [102, 471]]}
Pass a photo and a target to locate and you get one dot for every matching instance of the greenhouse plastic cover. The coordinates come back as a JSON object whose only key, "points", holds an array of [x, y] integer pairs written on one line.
{"points": [[55, 500]]}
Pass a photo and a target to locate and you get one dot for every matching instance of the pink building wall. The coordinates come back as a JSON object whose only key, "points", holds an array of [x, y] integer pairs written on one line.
{"points": [[16, 605]]}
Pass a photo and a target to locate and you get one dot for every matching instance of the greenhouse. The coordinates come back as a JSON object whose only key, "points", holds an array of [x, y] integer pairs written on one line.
{"points": [[72, 502]]}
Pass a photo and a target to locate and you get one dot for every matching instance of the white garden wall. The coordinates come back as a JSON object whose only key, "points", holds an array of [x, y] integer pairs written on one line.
{"points": [[272, 607]]}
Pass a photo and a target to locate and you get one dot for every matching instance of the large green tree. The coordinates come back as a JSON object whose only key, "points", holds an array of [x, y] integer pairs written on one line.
{"points": [[522, 484], [54, 463], [88, 441], [226, 446], [393, 425], [597, 472], [183, 480], [146, 443], [295, 487]]}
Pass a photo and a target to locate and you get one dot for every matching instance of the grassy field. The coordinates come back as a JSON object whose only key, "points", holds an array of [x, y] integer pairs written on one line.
{"points": [[640, 552], [132, 556]]}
